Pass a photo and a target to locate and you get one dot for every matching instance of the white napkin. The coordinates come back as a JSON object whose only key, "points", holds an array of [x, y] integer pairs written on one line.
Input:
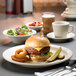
{"points": [[46, 72], [71, 74], [61, 73], [57, 74], [42, 73]]}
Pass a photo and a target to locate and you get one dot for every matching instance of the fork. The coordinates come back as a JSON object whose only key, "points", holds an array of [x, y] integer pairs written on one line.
{"points": [[69, 67], [72, 70]]}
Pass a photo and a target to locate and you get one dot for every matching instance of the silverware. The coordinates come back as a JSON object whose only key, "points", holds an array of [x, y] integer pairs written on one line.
{"points": [[69, 67], [45, 73], [72, 70], [65, 68], [42, 73], [49, 73]]}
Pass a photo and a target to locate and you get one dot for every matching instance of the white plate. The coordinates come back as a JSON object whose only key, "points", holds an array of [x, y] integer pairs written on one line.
{"points": [[52, 36], [37, 28], [11, 51]]}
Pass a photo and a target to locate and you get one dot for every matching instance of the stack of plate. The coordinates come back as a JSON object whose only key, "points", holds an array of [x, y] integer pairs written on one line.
{"points": [[67, 15]]}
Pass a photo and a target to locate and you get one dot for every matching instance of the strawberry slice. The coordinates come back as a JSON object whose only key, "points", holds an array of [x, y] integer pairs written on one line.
{"points": [[39, 23], [30, 24]]}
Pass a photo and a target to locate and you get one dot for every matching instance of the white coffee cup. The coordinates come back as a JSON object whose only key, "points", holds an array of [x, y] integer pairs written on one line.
{"points": [[61, 28]]}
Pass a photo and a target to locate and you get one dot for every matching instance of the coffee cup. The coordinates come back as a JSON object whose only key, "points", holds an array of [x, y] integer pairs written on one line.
{"points": [[61, 28]]}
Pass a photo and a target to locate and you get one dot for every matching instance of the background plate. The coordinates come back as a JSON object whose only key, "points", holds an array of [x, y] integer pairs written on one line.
{"points": [[37, 28]]}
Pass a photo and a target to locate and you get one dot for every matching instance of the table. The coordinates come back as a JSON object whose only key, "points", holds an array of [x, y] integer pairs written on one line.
{"points": [[11, 21]]}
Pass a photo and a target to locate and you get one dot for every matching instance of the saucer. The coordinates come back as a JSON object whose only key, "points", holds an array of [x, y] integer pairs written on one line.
{"points": [[52, 36]]}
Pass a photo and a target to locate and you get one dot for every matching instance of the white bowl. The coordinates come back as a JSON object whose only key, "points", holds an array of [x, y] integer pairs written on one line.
{"points": [[18, 39], [37, 28]]}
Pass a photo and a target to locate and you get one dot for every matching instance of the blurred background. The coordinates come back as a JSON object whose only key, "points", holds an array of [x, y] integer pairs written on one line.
{"points": [[15, 13], [37, 5]]}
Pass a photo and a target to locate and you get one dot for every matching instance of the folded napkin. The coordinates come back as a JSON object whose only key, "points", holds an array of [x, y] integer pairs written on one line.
{"points": [[57, 74], [60, 71], [71, 74], [46, 72]]}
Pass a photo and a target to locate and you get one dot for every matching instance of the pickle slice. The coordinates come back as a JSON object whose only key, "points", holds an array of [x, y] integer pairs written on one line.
{"points": [[55, 55], [60, 56]]}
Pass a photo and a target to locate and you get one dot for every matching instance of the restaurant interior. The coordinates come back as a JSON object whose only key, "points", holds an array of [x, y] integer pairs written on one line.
{"points": [[37, 38]]}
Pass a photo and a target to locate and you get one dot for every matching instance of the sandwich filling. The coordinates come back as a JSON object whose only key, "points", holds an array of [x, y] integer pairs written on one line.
{"points": [[38, 52]]}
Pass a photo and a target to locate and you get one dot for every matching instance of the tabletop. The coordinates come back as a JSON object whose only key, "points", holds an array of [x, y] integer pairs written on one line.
{"points": [[11, 21]]}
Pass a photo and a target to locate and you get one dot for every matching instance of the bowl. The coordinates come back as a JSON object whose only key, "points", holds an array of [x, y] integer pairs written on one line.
{"points": [[37, 28], [18, 39]]}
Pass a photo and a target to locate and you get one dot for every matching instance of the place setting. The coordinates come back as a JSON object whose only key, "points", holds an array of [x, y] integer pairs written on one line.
{"points": [[39, 47], [38, 52]]}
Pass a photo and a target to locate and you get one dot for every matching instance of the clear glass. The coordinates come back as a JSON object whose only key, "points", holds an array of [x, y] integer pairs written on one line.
{"points": [[47, 19]]}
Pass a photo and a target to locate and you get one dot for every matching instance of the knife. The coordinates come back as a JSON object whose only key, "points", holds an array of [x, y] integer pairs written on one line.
{"points": [[46, 73], [68, 67]]}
